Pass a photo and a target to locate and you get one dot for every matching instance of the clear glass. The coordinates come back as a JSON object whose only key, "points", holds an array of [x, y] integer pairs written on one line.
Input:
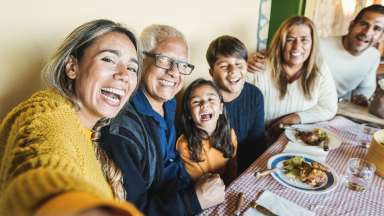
{"points": [[359, 174]]}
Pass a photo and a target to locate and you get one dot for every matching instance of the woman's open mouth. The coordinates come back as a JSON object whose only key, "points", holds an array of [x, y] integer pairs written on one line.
{"points": [[113, 95]]}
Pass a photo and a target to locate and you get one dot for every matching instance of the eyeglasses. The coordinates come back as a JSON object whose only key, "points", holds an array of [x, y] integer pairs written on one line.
{"points": [[167, 63]]}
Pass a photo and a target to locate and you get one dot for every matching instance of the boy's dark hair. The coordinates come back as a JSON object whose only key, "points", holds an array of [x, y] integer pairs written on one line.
{"points": [[376, 8], [226, 46], [221, 136]]}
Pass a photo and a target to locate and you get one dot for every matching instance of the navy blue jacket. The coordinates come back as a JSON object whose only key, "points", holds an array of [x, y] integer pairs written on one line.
{"points": [[142, 144]]}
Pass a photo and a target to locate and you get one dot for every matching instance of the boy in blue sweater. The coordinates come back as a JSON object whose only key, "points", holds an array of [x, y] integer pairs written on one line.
{"points": [[227, 58]]}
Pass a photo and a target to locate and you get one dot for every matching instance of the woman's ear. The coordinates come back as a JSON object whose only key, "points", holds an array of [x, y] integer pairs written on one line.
{"points": [[71, 67]]}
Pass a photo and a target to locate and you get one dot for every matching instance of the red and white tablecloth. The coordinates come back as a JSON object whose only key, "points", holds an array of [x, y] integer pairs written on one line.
{"points": [[340, 201]]}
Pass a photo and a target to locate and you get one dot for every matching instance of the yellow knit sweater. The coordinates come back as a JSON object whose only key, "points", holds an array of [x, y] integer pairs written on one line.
{"points": [[45, 151]]}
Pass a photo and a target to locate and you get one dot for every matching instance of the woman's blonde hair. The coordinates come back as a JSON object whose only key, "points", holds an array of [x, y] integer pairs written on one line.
{"points": [[310, 70], [75, 45], [55, 76]]}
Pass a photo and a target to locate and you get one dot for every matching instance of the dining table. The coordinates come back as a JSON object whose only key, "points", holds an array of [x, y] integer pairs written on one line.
{"points": [[359, 114], [340, 201]]}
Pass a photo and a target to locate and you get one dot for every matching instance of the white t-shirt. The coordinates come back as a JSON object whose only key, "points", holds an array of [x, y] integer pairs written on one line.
{"points": [[352, 74], [321, 107]]}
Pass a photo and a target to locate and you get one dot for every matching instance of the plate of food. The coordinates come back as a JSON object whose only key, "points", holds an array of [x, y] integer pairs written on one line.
{"points": [[301, 172], [313, 135]]}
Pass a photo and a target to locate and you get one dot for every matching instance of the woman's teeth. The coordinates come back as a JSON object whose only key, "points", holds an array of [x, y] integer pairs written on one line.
{"points": [[113, 94], [295, 54], [115, 91]]}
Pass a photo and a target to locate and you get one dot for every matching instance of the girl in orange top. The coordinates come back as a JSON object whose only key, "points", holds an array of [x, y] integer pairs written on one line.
{"points": [[207, 144]]}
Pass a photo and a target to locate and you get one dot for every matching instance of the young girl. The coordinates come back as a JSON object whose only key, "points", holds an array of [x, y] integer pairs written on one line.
{"points": [[207, 144]]}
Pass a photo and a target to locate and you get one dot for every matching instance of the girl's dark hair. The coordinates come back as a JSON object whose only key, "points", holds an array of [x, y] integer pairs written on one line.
{"points": [[221, 136]]}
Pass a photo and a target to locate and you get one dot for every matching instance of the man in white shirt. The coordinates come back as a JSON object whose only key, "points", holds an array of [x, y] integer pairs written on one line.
{"points": [[352, 59]]}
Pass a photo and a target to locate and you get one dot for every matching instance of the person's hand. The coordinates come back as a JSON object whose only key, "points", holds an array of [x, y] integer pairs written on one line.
{"points": [[210, 190], [360, 100], [256, 62], [275, 129]]}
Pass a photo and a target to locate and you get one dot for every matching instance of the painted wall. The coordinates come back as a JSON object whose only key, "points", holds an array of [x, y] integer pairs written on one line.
{"points": [[329, 18], [31, 30], [281, 10]]}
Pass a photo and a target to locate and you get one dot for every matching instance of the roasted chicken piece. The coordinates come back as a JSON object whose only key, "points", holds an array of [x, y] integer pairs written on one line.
{"points": [[315, 137], [313, 173], [315, 177]]}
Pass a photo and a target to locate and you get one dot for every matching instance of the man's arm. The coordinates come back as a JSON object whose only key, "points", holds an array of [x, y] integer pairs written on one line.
{"points": [[162, 199]]}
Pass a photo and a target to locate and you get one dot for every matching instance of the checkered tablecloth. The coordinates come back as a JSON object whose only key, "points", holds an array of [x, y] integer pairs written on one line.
{"points": [[340, 201]]}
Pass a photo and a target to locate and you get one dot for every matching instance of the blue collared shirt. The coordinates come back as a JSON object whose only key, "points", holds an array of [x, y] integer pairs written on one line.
{"points": [[166, 133]]}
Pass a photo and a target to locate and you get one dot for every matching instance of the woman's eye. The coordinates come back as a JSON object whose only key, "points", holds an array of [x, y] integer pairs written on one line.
{"points": [[132, 69], [290, 39], [107, 59], [223, 67]]}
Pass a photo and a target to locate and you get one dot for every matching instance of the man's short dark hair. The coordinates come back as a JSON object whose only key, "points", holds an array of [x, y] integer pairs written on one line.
{"points": [[376, 8], [226, 46]]}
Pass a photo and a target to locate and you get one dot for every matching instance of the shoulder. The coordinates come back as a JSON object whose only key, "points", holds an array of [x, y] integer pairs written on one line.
{"points": [[126, 131], [43, 109], [182, 145], [324, 70], [251, 95], [128, 119], [252, 89], [372, 54]]}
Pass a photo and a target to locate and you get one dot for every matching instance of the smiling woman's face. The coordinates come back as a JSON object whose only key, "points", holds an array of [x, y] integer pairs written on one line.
{"points": [[298, 46], [104, 77]]}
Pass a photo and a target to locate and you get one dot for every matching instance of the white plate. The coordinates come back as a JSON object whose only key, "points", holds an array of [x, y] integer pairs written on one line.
{"points": [[334, 140], [277, 161]]}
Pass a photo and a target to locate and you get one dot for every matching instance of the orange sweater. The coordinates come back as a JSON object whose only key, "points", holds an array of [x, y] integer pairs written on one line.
{"points": [[213, 160]]}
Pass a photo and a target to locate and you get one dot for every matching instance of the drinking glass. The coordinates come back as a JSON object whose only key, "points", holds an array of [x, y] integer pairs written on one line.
{"points": [[359, 174]]}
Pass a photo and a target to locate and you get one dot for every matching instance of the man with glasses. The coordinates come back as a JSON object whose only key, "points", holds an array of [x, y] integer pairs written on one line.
{"points": [[141, 139], [167, 63]]}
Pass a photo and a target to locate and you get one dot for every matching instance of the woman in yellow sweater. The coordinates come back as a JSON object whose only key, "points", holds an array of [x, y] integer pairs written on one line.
{"points": [[207, 144], [50, 160]]}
